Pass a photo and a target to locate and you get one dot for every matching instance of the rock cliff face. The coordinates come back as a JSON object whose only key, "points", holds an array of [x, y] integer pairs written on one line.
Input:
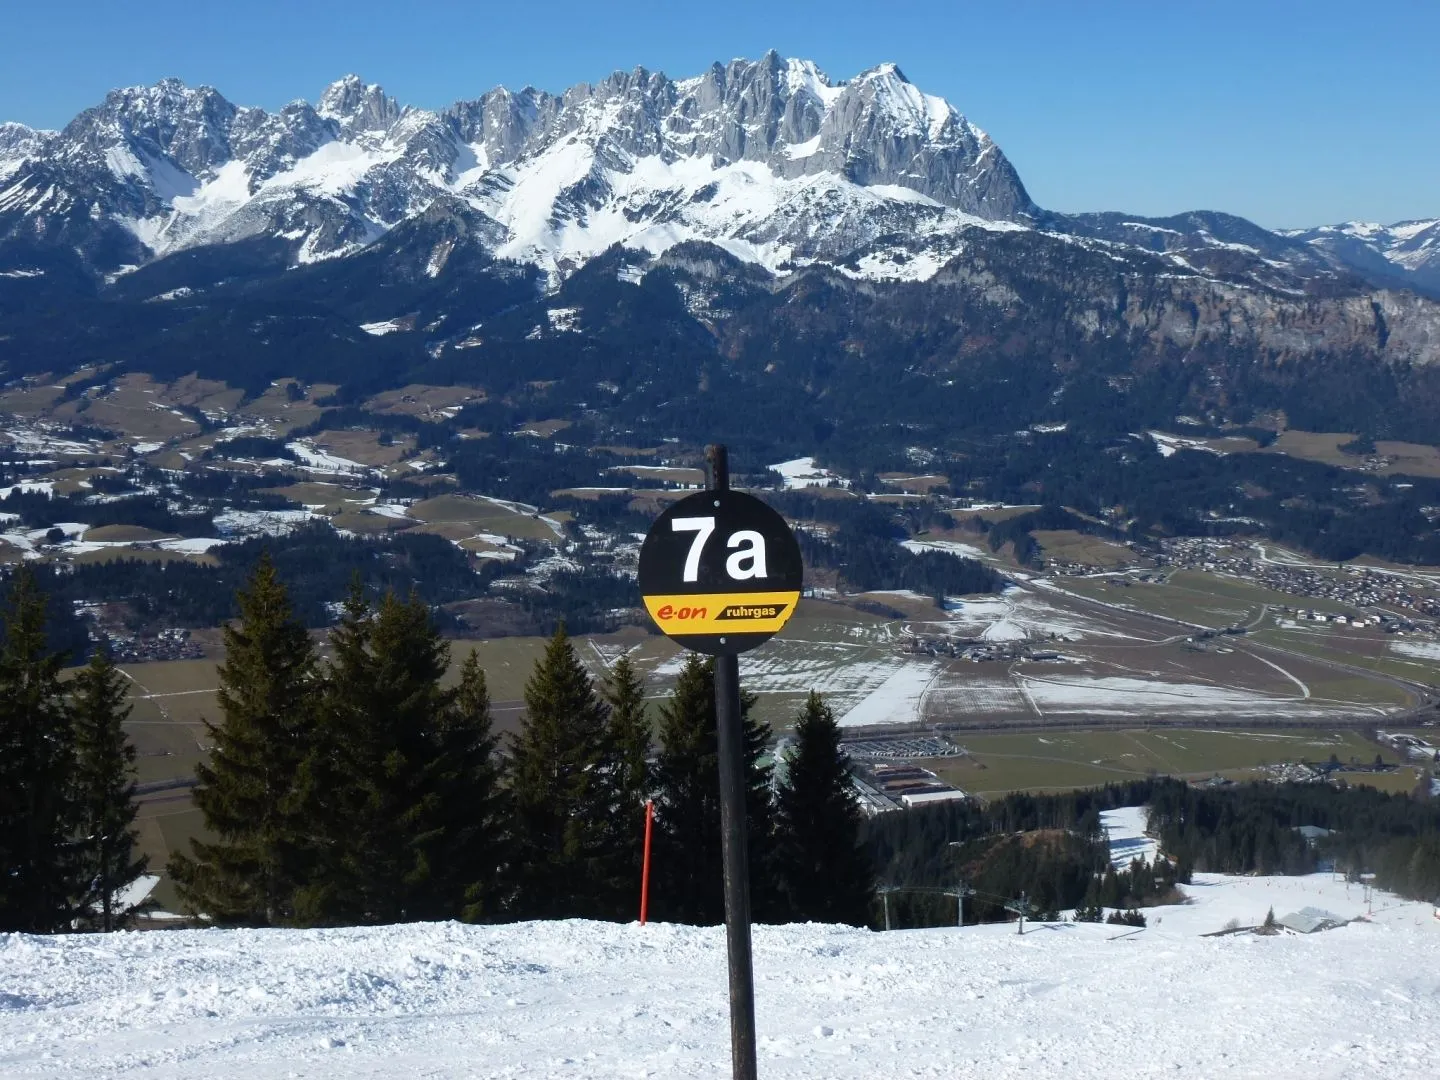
{"points": [[867, 194]]}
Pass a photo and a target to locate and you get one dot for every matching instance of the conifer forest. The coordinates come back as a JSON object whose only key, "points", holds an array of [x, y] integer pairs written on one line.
{"points": [[357, 787]]}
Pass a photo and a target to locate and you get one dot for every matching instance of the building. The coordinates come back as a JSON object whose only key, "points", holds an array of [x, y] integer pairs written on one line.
{"points": [[1309, 920]]}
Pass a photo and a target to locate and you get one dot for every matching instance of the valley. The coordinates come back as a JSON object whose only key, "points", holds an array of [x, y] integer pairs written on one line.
{"points": [[1095, 659], [1082, 497]]}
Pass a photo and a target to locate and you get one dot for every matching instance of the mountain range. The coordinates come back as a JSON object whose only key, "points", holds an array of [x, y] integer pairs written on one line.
{"points": [[771, 159], [746, 186]]}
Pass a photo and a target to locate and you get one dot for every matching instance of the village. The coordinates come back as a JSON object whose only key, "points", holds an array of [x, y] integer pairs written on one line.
{"points": [[1354, 586]]}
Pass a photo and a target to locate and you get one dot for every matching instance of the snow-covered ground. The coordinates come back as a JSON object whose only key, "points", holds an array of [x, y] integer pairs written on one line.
{"points": [[321, 461], [1421, 650], [1125, 829], [952, 547], [28, 487], [1119, 695], [1168, 444], [244, 523], [803, 473], [597, 1000], [896, 700]]}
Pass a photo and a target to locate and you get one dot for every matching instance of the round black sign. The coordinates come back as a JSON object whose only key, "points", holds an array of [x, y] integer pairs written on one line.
{"points": [[720, 572]]}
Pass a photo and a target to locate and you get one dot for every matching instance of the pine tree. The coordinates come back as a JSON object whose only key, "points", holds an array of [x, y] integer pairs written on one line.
{"points": [[382, 786], [1092, 913], [41, 881], [688, 863], [824, 871], [249, 791], [620, 791], [473, 807], [104, 789], [553, 762], [344, 689]]}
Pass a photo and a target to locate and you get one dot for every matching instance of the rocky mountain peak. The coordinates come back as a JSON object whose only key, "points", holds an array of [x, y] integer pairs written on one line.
{"points": [[17, 141], [168, 122], [770, 158], [358, 106]]}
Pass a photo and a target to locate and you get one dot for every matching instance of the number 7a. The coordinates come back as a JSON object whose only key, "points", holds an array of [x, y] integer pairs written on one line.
{"points": [[702, 527]]}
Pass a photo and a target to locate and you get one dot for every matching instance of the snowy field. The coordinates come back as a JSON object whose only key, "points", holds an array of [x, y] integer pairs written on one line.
{"points": [[597, 1000], [1125, 831], [803, 473], [896, 700], [1020, 614], [1118, 696], [1421, 650], [1104, 667]]}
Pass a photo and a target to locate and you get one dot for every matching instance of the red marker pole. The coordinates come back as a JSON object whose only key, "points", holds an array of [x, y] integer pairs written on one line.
{"points": [[645, 866]]}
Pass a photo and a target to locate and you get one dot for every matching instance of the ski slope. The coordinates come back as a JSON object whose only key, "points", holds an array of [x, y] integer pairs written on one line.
{"points": [[596, 1000]]}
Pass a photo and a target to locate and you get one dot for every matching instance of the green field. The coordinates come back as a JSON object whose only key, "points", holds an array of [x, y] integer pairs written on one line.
{"points": [[485, 516], [1053, 761], [1070, 546]]}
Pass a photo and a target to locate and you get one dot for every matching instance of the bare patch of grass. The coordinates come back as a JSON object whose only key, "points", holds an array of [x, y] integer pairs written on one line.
{"points": [[484, 515], [663, 474], [363, 445], [419, 399], [124, 534], [1070, 546], [908, 482]]}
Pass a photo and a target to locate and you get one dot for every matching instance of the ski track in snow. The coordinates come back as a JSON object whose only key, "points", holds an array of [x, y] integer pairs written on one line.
{"points": [[1125, 829], [599, 1000]]}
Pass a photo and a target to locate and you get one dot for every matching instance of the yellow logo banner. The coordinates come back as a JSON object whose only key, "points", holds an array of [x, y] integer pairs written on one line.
{"points": [[722, 613]]}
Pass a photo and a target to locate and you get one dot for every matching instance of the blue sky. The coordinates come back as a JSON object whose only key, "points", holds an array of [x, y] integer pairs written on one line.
{"points": [[1288, 113]]}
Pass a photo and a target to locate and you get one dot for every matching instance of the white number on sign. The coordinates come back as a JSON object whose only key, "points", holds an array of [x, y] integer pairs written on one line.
{"points": [[746, 562], [702, 527], [749, 561]]}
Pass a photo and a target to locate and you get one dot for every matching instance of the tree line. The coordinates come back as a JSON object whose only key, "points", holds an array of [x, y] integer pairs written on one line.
{"points": [[67, 811], [366, 787], [363, 789], [1254, 828]]}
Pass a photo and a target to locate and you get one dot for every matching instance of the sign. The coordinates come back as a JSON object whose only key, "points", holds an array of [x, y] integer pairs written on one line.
{"points": [[720, 572]]}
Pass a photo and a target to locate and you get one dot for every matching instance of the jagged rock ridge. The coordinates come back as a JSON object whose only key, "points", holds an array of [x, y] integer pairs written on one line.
{"points": [[769, 158]]}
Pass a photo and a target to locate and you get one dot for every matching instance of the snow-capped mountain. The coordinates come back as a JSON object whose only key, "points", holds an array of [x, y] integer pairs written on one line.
{"points": [[770, 159], [1407, 250]]}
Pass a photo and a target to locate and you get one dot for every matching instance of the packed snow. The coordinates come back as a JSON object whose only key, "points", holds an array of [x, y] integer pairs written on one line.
{"points": [[601, 1000]]}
